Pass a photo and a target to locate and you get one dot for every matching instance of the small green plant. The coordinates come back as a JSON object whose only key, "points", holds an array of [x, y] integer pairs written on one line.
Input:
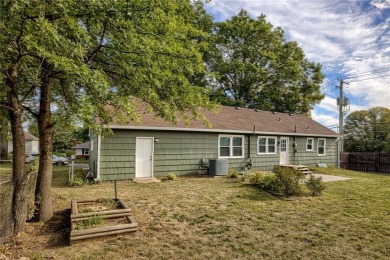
{"points": [[31, 209], [86, 210], [315, 185], [232, 173], [290, 180], [90, 222], [171, 176], [111, 203], [77, 182], [32, 166]]}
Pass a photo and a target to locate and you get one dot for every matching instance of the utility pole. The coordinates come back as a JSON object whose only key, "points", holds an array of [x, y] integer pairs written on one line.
{"points": [[342, 102]]}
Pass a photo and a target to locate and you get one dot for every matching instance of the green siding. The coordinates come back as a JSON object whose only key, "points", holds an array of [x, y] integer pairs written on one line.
{"points": [[181, 152]]}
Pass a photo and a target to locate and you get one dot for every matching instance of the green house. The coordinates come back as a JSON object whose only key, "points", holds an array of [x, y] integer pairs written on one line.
{"points": [[246, 138]]}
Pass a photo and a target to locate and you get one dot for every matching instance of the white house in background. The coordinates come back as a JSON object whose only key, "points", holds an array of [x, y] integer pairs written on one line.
{"points": [[32, 144], [82, 149]]}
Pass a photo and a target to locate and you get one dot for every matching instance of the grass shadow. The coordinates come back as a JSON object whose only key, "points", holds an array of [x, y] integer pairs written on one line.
{"points": [[251, 192], [58, 229]]}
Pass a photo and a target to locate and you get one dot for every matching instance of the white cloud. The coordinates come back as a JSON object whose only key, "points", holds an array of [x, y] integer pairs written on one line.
{"points": [[381, 4], [324, 119]]}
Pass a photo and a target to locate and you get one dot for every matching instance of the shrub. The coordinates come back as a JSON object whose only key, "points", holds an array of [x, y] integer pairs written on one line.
{"points": [[232, 173], [70, 152], [265, 181], [60, 154], [245, 175], [171, 176], [289, 179], [315, 185]]}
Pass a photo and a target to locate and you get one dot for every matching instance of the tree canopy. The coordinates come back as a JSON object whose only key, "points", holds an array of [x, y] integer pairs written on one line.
{"points": [[78, 57], [368, 130], [253, 65]]}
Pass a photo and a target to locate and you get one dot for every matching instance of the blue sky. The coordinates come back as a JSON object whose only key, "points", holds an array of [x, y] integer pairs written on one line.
{"points": [[349, 38]]}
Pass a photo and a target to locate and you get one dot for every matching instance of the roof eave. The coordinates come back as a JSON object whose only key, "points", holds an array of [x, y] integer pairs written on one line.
{"points": [[153, 128]]}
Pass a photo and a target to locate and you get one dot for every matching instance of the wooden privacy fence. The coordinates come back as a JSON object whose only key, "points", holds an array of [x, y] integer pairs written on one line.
{"points": [[366, 162]]}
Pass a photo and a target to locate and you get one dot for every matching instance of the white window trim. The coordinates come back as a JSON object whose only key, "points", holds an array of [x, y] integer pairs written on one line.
{"points": [[231, 146], [91, 143], [312, 145], [319, 146], [266, 145]]}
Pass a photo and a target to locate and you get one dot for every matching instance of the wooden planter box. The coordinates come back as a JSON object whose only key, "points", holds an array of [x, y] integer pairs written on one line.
{"points": [[115, 219]]}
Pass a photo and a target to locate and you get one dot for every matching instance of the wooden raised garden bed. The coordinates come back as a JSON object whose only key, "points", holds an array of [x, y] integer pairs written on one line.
{"points": [[99, 217]]}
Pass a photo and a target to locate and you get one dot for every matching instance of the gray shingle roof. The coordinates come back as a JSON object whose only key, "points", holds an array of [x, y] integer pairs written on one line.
{"points": [[30, 137], [231, 119], [82, 146]]}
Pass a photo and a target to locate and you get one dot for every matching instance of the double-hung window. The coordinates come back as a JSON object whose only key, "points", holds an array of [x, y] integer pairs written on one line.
{"points": [[310, 144], [231, 146], [321, 146], [266, 145]]}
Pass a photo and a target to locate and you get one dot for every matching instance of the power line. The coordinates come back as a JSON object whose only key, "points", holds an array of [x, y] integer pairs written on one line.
{"points": [[370, 78], [328, 84], [369, 72], [329, 91]]}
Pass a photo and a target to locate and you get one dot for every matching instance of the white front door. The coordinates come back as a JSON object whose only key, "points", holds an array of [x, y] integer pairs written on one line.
{"points": [[144, 157], [283, 150]]}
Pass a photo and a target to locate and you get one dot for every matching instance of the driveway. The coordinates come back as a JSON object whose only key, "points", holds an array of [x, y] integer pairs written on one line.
{"points": [[329, 178]]}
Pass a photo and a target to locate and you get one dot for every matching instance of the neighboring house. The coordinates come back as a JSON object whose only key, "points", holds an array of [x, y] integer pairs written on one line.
{"points": [[245, 137], [82, 150], [32, 144]]}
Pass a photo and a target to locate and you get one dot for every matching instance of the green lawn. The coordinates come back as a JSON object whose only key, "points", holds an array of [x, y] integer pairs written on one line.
{"points": [[5, 170], [220, 218]]}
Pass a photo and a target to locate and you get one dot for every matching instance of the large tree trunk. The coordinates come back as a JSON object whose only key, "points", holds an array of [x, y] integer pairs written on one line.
{"points": [[45, 128], [3, 138], [19, 178]]}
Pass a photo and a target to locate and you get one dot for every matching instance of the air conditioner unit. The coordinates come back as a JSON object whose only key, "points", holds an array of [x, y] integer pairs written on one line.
{"points": [[219, 167]]}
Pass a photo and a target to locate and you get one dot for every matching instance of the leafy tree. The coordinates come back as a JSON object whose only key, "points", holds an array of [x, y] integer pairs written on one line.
{"points": [[368, 130], [81, 134], [63, 133], [254, 66], [83, 56]]}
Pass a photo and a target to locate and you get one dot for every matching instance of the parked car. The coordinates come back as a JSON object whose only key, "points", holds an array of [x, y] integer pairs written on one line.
{"points": [[31, 157], [57, 160]]}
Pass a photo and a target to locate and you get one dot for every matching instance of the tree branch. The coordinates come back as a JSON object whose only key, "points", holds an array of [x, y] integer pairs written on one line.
{"points": [[28, 92], [5, 105], [33, 113], [93, 53]]}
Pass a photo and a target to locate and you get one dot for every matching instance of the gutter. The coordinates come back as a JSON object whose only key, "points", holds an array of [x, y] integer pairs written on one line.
{"points": [[215, 130]]}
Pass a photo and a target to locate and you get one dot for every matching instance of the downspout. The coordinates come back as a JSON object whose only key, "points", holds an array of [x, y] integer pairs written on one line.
{"points": [[98, 157], [249, 164]]}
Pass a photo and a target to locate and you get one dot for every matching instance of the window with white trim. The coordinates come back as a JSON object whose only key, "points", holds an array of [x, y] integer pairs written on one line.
{"points": [[266, 145], [231, 146], [310, 144], [321, 146]]}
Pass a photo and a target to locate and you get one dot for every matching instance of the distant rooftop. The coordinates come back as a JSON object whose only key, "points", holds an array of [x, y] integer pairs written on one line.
{"points": [[82, 146]]}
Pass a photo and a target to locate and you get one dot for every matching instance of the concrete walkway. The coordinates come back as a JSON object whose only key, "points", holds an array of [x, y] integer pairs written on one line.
{"points": [[329, 178]]}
